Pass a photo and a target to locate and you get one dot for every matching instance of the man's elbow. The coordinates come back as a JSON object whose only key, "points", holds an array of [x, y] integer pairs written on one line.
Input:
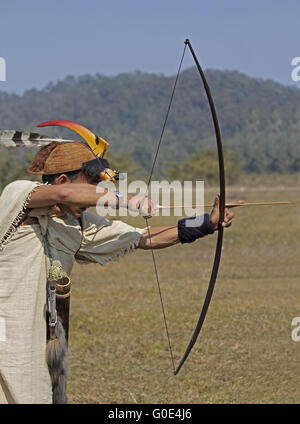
{"points": [[144, 243], [62, 195]]}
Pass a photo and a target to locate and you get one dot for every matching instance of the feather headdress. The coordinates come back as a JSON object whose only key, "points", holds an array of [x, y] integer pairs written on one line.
{"points": [[69, 156], [13, 138]]}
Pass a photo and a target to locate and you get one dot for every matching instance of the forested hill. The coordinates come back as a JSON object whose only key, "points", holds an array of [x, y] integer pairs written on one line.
{"points": [[260, 120]]}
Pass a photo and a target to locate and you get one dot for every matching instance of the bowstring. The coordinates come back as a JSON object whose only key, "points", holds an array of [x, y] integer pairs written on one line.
{"points": [[147, 222]]}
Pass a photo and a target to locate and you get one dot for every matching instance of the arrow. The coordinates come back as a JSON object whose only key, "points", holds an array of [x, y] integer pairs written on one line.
{"points": [[228, 205]]}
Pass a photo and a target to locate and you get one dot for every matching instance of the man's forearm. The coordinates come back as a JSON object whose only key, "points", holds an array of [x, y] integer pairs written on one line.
{"points": [[70, 194], [87, 195], [161, 237], [187, 230]]}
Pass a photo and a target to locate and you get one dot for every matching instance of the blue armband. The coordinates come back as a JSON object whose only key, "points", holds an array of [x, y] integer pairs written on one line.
{"points": [[190, 229]]}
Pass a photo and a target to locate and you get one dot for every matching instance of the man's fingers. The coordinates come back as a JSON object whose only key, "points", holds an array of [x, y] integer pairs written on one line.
{"points": [[227, 224], [235, 204], [229, 215], [217, 201], [147, 208]]}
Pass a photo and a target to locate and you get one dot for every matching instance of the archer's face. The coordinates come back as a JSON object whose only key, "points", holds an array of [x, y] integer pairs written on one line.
{"points": [[74, 210], [77, 210]]}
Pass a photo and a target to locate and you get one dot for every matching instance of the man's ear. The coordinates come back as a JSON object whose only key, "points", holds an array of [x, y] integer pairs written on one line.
{"points": [[62, 179]]}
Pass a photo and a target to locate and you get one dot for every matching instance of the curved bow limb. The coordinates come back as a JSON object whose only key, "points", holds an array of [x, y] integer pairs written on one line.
{"points": [[218, 250]]}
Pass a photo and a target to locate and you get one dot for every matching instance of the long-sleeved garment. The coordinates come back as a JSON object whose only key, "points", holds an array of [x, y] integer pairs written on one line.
{"points": [[24, 376]]}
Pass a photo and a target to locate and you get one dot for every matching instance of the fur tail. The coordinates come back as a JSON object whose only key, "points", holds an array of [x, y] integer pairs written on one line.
{"points": [[57, 360]]}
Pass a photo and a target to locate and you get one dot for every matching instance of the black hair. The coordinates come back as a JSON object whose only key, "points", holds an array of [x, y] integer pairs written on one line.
{"points": [[92, 168], [50, 178]]}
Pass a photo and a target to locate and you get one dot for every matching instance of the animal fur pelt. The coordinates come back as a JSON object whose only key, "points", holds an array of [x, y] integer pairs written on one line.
{"points": [[57, 360], [13, 138]]}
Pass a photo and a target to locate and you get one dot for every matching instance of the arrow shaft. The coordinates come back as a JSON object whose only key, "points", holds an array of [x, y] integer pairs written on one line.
{"points": [[227, 205]]}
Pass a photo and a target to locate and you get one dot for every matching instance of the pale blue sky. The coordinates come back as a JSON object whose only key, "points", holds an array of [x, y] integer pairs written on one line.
{"points": [[43, 41]]}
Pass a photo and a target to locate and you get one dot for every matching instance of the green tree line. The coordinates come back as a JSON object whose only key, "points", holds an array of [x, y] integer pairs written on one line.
{"points": [[259, 119]]}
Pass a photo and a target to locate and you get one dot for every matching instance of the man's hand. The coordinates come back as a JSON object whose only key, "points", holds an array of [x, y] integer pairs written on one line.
{"points": [[143, 205], [146, 207], [215, 215]]}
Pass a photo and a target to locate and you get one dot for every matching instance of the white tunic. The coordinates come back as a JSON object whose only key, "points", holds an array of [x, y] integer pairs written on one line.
{"points": [[24, 376]]}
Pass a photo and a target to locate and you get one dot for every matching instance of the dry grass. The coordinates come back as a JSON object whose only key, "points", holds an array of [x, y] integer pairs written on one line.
{"points": [[245, 354]]}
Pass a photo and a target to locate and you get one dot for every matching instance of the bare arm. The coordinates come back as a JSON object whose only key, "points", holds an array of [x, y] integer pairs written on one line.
{"points": [[160, 237], [68, 194]]}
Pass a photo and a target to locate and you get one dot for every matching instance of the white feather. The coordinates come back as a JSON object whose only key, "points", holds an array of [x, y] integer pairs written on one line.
{"points": [[13, 138]]}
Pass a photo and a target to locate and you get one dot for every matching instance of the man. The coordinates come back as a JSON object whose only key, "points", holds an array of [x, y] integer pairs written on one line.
{"points": [[44, 228]]}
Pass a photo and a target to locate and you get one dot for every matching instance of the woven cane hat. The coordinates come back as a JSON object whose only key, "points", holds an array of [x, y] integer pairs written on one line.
{"points": [[58, 157]]}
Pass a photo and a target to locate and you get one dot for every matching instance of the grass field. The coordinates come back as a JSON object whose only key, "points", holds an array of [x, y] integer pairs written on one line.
{"points": [[245, 353]]}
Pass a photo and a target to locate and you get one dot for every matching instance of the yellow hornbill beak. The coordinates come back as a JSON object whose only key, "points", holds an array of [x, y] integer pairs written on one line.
{"points": [[97, 144]]}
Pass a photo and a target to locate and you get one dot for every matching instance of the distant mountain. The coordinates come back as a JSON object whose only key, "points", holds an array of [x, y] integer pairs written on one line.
{"points": [[260, 119]]}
